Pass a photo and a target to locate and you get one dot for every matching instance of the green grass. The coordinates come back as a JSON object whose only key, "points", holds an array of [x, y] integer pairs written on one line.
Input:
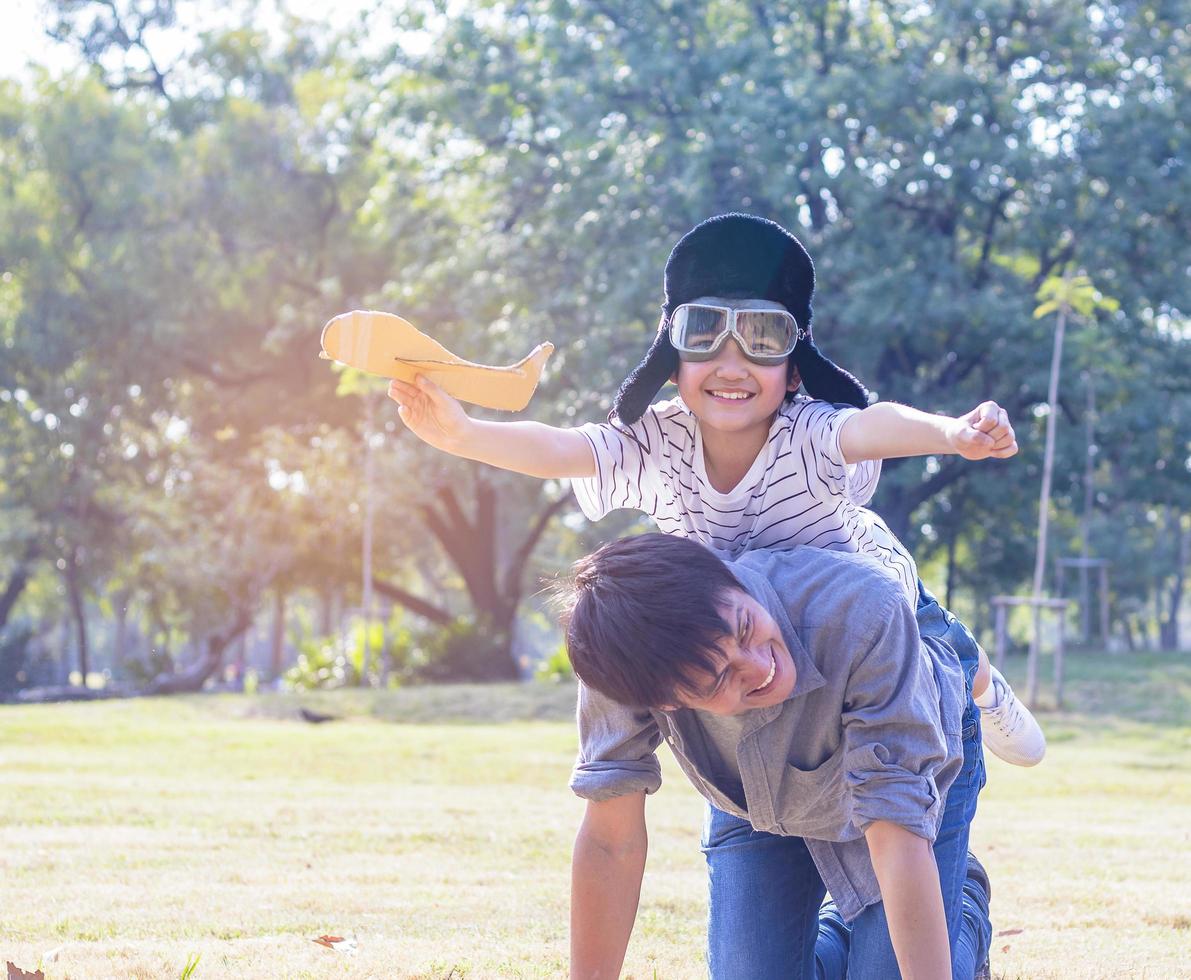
{"points": [[137, 837]]}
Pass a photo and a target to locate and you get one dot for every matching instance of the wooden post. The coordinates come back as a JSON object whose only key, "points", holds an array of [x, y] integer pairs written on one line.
{"points": [[1085, 524], [1002, 635], [1048, 459], [1059, 650], [1104, 605], [1032, 665]]}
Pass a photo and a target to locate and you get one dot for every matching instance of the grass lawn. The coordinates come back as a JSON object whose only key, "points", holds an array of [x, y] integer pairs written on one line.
{"points": [[135, 835]]}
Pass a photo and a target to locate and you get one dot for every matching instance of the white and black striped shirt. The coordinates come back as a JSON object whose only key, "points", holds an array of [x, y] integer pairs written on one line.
{"points": [[798, 490]]}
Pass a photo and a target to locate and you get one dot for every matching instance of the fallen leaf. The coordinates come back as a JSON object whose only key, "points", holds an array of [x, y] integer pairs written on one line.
{"points": [[337, 943], [16, 973], [1009, 932], [1005, 948]]}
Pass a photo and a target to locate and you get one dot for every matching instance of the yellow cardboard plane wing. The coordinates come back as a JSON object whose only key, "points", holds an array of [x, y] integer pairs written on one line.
{"points": [[385, 344]]}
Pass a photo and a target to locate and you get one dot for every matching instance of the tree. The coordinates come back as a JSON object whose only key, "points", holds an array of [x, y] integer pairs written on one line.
{"points": [[605, 132]]}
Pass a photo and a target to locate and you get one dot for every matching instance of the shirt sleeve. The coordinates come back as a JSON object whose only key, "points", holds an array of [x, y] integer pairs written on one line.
{"points": [[819, 424], [617, 749], [626, 460], [894, 746]]}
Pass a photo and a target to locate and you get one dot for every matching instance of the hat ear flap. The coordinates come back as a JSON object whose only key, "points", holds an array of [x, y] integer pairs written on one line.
{"points": [[826, 380], [640, 387]]}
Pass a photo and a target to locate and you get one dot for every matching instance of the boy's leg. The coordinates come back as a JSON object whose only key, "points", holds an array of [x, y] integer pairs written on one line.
{"points": [[1008, 729], [764, 894], [972, 945]]}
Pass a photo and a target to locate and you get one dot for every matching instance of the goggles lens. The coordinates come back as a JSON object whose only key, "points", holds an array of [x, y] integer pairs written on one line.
{"points": [[765, 336]]}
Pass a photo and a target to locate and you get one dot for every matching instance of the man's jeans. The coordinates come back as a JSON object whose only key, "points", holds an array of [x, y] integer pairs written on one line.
{"points": [[765, 919]]}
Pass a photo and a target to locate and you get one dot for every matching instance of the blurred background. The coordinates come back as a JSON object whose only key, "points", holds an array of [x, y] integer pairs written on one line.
{"points": [[190, 498]]}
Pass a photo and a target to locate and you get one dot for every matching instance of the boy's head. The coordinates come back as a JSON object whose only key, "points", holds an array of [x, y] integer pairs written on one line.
{"points": [[729, 373], [659, 621], [739, 256]]}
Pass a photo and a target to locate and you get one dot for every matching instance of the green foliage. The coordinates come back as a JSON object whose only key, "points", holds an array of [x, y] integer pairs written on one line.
{"points": [[555, 668], [331, 662], [1076, 292], [189, 970], [320, 665], [156, 662], [460, 652]]}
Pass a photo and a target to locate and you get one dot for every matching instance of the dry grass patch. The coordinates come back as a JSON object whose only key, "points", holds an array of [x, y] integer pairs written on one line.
{"points": [[136, 835]]}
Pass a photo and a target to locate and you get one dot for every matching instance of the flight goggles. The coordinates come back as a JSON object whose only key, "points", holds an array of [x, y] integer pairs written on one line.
{"points": [[767, 337]]}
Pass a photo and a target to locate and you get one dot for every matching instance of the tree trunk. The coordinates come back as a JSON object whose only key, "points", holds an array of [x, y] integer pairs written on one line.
{"points": [[471, 543], [416, 605], [207, 663], [326, 614], [15, 587], [1168, 627], [120, 639], [277, 638], [78, 613], [241, 659]]}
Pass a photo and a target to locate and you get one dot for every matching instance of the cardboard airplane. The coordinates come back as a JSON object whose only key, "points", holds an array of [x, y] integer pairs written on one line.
{"points": [[385, 344]]}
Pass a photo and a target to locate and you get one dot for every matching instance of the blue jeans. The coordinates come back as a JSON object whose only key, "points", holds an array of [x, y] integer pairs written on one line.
{"points": [[765, 915]]}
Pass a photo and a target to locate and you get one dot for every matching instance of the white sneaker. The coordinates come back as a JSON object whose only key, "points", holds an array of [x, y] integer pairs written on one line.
{"points": [[1008, 730]]}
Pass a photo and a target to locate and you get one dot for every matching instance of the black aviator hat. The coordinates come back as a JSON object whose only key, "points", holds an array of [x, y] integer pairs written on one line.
{"points": [[738, 255]]}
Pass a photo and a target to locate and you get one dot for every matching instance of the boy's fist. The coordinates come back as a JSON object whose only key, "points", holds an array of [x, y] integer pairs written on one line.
{"points": [[985, 431], [430, 413]]}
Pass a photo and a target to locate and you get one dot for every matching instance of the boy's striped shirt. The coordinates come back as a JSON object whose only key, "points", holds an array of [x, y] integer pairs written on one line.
{"points": [[798, 490]]}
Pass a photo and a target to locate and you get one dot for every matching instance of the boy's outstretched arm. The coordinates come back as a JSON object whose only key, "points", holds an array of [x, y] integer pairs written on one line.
{"points": [[525, 447], [913, 899], [606, 872], [888, 430]]}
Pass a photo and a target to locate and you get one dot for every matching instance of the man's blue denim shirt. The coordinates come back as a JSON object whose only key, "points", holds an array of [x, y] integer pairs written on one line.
{"points": [[870, 732]]}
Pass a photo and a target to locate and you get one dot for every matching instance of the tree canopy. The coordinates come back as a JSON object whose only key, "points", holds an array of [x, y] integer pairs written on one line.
{"points": [[175, 231]]}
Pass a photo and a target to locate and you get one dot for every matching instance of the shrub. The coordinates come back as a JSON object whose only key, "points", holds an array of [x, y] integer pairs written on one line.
{"points": [[463, 651], [556, 668]]}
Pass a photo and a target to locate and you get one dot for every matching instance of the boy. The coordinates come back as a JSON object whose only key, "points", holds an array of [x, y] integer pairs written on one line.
{"points": [[798, 698], [740, 460]]}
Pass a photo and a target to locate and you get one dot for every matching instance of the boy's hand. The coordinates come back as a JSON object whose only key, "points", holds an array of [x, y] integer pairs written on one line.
{"points": [[983, 432], [430, 413]]}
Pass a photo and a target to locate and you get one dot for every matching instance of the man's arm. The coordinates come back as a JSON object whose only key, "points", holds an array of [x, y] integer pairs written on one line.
{"points": [[606, 872], [532, 448], [888, 430], [909, 880], [896, 753]]}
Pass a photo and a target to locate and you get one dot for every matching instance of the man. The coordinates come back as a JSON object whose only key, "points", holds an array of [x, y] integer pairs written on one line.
{"points": [[826, 734]]}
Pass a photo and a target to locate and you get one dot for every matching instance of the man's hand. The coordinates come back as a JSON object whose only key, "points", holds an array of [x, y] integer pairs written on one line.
{"points": [[983, 433], [430, 413]]}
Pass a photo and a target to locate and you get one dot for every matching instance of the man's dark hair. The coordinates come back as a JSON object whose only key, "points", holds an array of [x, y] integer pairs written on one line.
{"points": [[642, 622]]}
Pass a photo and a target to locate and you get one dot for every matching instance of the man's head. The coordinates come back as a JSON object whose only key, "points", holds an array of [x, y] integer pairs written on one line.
{"points": [[659, 621]]}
